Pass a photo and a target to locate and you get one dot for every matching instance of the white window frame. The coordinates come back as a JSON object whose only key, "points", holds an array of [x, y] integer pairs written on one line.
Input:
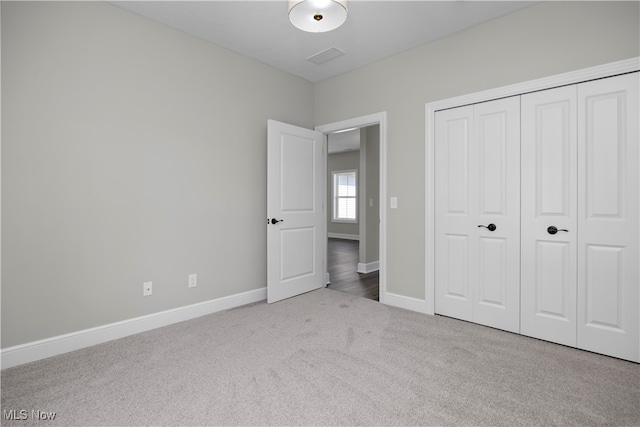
{"points": [[334, 197]]}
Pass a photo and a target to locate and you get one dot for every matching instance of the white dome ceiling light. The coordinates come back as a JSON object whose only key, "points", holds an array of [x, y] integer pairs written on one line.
{"points": [[317, 16]]}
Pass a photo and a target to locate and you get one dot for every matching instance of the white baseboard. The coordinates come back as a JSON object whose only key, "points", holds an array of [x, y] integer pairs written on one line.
{"points": [[408, 303], [343, 236], [368, 267], [36, 350]]}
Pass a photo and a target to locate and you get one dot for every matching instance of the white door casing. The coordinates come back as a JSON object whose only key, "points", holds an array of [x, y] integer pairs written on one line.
{"points": [[296, 226], [360, 122], [477, 213], [549, 189], [609, 216]]}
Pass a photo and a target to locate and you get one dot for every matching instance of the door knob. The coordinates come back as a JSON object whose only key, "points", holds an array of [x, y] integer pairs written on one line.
{"points": [[275, 221], [553, 229], [491, 227]]}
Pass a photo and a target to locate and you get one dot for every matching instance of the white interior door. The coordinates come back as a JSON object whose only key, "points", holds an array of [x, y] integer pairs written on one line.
{"points": [[496, 196], [477, 217], [608, 216], [455, 216], [549, 177], [296, 219]]}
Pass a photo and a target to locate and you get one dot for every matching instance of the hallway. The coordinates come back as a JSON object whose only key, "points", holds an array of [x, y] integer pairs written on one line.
{"points": [[342, 266]]}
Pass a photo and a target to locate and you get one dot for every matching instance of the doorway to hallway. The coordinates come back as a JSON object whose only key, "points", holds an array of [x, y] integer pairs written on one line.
{"points": [[365, 247]]}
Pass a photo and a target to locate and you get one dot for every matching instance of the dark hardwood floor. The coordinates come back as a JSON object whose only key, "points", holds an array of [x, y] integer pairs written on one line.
{"points": [[343, 270]]}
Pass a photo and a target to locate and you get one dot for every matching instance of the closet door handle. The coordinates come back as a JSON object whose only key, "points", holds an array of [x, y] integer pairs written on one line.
{"points": [[275, 221], [553, 229], [491, 227]]}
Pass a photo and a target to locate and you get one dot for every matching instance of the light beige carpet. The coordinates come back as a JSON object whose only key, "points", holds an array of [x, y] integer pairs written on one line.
{"points": [[326, 358]]}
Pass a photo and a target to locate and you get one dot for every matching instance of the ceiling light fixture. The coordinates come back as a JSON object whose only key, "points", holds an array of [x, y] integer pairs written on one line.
{"points": [[317, 16]]}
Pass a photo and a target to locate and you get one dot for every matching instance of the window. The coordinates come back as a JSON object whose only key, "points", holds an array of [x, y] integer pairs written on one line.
{"points": [[344, 196]]}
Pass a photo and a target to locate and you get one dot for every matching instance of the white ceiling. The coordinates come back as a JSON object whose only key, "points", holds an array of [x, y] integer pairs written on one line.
{"points": [[343, 141], [373, 30]]}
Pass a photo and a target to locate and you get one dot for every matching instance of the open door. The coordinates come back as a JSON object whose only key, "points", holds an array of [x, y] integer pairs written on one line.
{"points": [[296, 227]]}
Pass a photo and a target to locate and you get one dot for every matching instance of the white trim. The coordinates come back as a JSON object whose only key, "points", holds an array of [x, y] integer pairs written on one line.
{"points": [[408, 303], [369, 267], [360, 122], [343, 236], [36, 350], [362, 201], [573, 77]]}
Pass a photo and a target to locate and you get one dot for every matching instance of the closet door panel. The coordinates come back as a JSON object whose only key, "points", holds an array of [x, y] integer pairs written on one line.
{"points": [[454, 213], [552, 280], [549, 194], [496, 169], [608, 212]]}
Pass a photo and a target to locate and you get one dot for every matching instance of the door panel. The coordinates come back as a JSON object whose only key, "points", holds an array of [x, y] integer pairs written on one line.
{"points": [[297, 253], [604, 145], [297, 173], [477, 183], [495, 177], [553, 290], [457, 270], [603, 290], [453, 231], [608, 217], [492, 283], [457, 166], [295, 245], [549, 191], [492, 145]]}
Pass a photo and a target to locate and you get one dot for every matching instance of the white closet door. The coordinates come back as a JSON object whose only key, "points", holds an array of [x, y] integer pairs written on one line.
{"points": [[477, 213], [455, 216], [495, 172], [608, 212], [549, 190]]}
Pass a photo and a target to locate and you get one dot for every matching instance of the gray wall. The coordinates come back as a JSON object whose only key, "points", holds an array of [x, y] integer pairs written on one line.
{"points": [[338, 162], [542, 40], [370, 215], [131, 152]]}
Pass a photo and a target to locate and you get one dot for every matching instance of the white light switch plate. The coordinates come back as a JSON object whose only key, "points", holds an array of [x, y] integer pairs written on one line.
{"points": [[147, 289], [394, 203]]}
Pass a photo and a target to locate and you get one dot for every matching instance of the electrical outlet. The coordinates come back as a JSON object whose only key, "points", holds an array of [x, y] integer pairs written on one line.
{"points": [[147, 289], [193, 280]]}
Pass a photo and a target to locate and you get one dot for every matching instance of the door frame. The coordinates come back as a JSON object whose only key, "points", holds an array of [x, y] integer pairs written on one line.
{"points": [[573, 77], [357, 123]]}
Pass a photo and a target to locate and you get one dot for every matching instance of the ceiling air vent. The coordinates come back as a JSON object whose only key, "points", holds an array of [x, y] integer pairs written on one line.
{"points": [[325, 56]]}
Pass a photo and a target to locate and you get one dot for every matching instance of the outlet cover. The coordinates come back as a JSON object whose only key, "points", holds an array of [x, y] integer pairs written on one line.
{"points": [[147, 288], [193, 280]]}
